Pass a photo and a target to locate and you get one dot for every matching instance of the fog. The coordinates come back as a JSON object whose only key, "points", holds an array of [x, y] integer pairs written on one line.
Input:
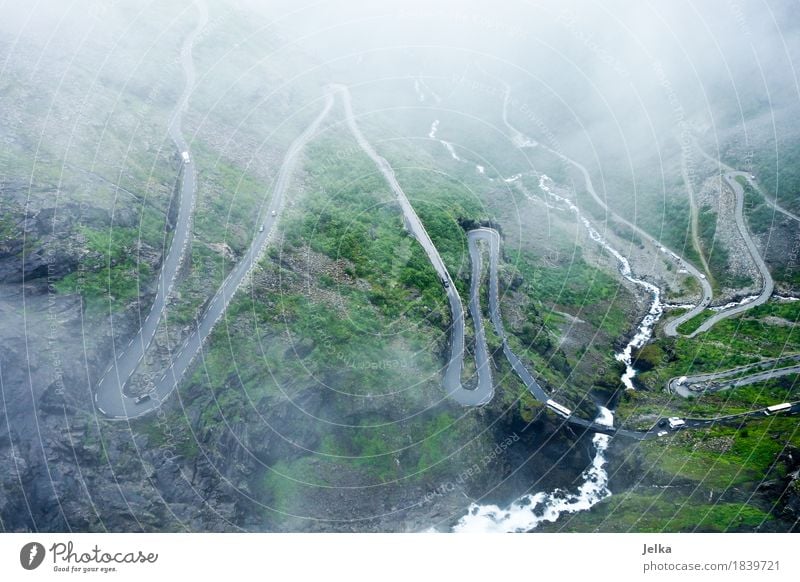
{"points": [[162, 158], [633, 63], [609, 74], [620, 85]]}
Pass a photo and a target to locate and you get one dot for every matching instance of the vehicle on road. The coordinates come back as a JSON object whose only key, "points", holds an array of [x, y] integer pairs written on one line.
{"points": [[680, 381], [662, 433], [185, 157], [274, 213], [662, 423], [675, 422], [777, 408], [558, 408], [445, 283], [261, 228], [142, 398]]}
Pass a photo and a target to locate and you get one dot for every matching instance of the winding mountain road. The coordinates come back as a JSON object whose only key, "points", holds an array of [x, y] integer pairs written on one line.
{"points": [[710, 382], [492, 238], [109, 398], [452, 377], [660, 428], [768, 285], [485, 390], [671, 326], [723, 166], [114, 403]]}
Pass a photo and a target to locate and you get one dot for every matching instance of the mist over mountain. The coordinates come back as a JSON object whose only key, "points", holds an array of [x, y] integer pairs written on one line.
{"points": [[399, 265]]}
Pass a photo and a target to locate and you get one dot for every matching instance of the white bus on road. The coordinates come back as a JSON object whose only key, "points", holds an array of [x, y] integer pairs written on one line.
{"points": [[559, 409], [675, 422], [778, 408]]}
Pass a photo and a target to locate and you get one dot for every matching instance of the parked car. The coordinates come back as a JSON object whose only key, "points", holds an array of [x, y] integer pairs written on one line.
{"points": [[142, 398]]}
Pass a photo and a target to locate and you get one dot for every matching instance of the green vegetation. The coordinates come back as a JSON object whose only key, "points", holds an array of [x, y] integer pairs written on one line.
{"points": [[760, 215], [345, 310], [733, 456], [442, 203], [594, 294], [675, 511], [353, 218], [723, 457], [377, 449], [9, 225], [692, 324], [112, 272], [229, 200], [347, 299], [715, 252], [780, 178], [732, 342], [284, 481], [668, 210], [759, 394]]}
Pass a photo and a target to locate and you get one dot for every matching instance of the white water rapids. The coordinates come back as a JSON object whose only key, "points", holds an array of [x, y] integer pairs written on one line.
{"points": [[645, 329], [449, 147], [527, 512], [744, 301]]}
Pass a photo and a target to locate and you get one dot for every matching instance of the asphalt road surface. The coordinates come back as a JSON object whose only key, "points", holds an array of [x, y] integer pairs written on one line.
{"points": [[452, 377], [671, 326], [108, 396], [768, 285], [723, 166], [713, 382], [112, 402]]}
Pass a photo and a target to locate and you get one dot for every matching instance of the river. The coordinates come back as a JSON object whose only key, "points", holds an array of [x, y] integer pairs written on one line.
{"points": [[529, 511], [533, 509], [645, 329]]}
